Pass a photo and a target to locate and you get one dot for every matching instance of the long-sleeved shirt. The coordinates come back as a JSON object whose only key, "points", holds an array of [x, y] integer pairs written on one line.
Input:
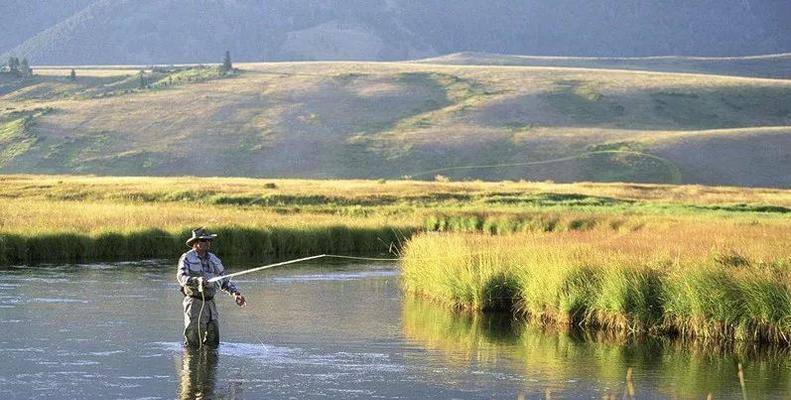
{"points": [[192, 266]]}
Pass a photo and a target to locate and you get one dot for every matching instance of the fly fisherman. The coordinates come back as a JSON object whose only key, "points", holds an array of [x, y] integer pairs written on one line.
{"points": [[195, 268]]}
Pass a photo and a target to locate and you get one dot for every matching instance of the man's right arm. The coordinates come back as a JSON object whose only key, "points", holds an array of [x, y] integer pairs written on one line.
{"points": [[183, 274]]}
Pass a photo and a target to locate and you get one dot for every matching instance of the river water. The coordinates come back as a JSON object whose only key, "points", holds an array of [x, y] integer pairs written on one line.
{"points": [[329, 330]]}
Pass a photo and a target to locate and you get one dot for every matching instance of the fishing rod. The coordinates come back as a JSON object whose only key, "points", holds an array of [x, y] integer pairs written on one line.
{"points": [[247, 271], [217, 278]]}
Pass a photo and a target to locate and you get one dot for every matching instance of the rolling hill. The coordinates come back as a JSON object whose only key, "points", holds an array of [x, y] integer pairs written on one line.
{"points": [[389, 120]]}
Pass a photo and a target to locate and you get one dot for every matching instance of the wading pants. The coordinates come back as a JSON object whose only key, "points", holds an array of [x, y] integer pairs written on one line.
{"points": [[200, 327]]}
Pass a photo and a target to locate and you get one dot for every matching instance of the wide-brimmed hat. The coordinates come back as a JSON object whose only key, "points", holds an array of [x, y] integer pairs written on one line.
{"points": [[198, 234]]}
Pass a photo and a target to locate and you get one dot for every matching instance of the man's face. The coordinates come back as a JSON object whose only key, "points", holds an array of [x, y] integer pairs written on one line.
{"points": [[201, 246]]}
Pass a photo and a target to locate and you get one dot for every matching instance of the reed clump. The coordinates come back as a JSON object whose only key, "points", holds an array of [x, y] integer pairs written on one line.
{"points": [[729, 281]]}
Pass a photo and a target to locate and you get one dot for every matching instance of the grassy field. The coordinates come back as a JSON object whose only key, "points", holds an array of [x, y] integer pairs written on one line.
{"points": [[135, 217], [389, 120]]}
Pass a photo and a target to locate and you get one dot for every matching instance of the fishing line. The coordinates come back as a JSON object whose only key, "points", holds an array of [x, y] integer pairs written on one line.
{"points": [[200, 314], [362, 258], [263, 267]]}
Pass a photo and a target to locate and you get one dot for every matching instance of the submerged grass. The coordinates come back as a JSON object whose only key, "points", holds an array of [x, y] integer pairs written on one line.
{"points": [[728, 281]]}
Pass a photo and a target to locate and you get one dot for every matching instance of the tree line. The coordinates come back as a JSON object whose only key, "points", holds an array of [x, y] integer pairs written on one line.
{"points": [[16, 67]]}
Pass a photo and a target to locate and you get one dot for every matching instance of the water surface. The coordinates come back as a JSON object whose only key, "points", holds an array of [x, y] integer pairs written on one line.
{"points": [[327, 330]]}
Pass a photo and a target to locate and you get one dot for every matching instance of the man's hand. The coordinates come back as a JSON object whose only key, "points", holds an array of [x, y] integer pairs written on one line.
{"points": [[240, 300], [201, 284]]}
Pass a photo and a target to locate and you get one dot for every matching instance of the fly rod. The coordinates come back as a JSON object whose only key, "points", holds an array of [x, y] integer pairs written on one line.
{"points": [[247, 271], [217, 278]]}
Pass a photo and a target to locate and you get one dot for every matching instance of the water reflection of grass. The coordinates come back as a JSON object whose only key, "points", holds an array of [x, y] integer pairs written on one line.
{"points": [[674, 368], [725, 281]]}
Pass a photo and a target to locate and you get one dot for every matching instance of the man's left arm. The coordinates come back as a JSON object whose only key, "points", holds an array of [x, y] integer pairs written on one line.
{"points": [[227, 286]]}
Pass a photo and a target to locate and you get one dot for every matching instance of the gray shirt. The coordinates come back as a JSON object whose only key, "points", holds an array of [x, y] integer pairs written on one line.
{"points": [[192, 266]]}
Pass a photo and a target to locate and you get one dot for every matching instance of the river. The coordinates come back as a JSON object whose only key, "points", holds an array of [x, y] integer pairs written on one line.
{"points": [[329, 330]]}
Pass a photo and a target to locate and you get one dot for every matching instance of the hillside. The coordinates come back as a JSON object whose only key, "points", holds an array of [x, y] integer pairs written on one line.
{"points": [[388, 120], [23, 19], [178, 31], [766, 66]]}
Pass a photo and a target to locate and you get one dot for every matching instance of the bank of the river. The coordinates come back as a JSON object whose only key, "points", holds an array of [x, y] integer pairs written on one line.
{"points": [[85, 218], [236, 241], [716, 281]]}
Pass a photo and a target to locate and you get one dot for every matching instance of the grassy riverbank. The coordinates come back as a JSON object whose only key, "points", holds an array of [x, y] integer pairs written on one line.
{"points": [[696, 277], [81, 218]]}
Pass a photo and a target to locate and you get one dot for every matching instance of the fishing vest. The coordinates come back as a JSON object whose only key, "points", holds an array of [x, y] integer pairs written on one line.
{"points": [[196, 268]]}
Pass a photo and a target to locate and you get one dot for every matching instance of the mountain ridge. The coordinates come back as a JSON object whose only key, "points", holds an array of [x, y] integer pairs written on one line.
{"points": [[177, 31]]}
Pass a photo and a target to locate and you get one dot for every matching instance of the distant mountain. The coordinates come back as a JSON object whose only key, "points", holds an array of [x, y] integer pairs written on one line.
{"points": [[177, 31], [22, 19]]}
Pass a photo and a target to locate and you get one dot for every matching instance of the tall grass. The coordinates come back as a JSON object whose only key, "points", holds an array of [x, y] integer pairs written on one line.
{"points": [[70, 231], [728, 281], [245, 242]]}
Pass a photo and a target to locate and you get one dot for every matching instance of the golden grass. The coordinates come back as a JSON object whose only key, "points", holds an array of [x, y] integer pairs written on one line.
{"points": [[35, 206], [712, 279], [41, 216], [130, 188]]}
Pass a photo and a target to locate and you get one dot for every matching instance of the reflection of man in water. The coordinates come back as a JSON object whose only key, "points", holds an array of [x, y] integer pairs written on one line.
{"points": [[196, 267], [198, 373]]}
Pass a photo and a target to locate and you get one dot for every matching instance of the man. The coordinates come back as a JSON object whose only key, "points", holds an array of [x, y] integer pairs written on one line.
{"points": [[195, 268]]}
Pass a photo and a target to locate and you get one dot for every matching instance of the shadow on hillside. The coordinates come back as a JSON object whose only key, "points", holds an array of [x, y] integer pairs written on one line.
{"points": [[576, 103]]}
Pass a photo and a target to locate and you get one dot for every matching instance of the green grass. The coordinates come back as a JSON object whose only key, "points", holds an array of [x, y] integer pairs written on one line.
{"points": [[14, 140], [583, 102], [16, 134], [235, 241]]}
